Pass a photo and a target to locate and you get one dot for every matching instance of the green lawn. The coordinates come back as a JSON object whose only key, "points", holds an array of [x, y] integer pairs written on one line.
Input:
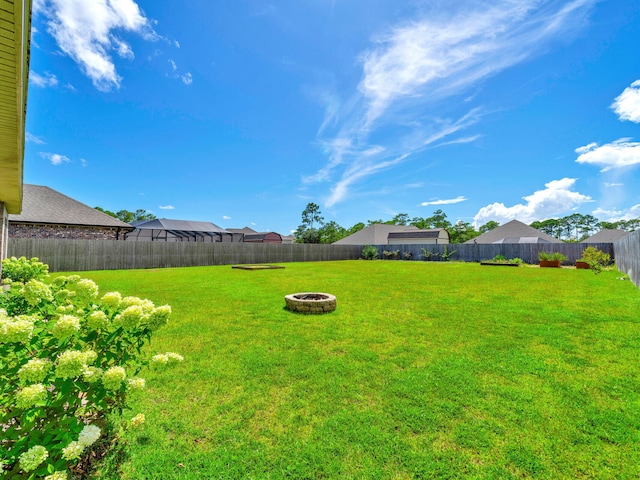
{"points": [[425, 370]]}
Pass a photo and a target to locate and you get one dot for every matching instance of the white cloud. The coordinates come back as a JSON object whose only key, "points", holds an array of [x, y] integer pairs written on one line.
{"points": [[618, 154], [174, 67], [166, 207], [450, 201], [452, 49], [86, 31], [187, 79], [613, 184], [83, 162], [615, 215], [43, 81], [556, 199], [55, 158], [33, 139], [226, 217], [410, 74], [627, 104], [176, 43]]}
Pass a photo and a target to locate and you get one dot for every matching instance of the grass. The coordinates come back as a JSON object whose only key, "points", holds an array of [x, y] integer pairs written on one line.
{"points": [[425, 370]]}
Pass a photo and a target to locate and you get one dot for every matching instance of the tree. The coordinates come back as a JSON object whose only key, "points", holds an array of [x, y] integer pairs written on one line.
{"points": [[331, 232], [126, 216], [487, 227], [461, 232], [307, 232], [399, 219]]}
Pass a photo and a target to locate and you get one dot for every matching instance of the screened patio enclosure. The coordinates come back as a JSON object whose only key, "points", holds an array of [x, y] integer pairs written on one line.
{"points": [[167, 230]]}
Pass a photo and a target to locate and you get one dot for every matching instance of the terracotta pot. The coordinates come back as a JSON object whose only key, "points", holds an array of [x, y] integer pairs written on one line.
{"points": [[550, 263], [582, 265]]}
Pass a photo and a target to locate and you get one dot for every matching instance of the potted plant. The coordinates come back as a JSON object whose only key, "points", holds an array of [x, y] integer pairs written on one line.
{"points": [[551, 259]]}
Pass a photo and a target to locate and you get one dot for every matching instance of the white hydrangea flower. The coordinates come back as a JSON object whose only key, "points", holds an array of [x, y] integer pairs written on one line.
{"points": [[112, 379], [66, 326], [136, 383], [89, 435], [111, 299], [35, 292], [18, 329], [86, 290], [137, 420], [32, 458], [73, 451], [160, 358], [35, 370], [97, 320], [175, 357], [31, 395], [71, 364], [92, 374], [130, 317]]}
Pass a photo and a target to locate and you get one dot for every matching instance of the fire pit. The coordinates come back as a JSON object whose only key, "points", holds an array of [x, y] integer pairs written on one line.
{"points": [[311, 302]]}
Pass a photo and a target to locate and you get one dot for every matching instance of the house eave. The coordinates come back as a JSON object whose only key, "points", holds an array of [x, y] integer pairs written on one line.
{"points": [[14, 79]]}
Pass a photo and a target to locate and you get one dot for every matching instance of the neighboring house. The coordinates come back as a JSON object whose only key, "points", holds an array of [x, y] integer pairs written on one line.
{"points": [[262, 237], [606, 236], [288, 239], [249, 235], [239, 233], [168, 230], [514, 232], [15, 41], [47, 213], [385, 234]]}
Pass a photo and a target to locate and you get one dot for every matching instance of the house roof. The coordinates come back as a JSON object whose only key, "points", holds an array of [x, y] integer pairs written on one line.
{"points": [[606, 236], [48, 206], [249, 237], [432, 233], [379, 234], [245, 230], [514, 232], [15, 29], [179, 225]]}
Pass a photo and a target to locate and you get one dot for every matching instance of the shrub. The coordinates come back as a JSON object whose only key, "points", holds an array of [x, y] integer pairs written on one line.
{"points": [[427, 254], [551, 257], [370, 252], [596, 259], [499, 258], [407, 255], [446, 255], [23, 270], [68, 358], [390, 254]]}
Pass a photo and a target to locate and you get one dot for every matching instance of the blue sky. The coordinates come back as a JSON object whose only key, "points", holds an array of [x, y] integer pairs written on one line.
{"points": [[242, 112]]}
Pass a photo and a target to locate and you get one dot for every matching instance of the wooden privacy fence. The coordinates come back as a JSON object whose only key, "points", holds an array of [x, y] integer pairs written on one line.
{"points": [[628, 256], [78, 255]]}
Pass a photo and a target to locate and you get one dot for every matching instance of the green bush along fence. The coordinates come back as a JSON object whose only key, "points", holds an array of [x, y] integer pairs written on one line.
{"points": [[78, 255], [479, 252], [628, 256]]}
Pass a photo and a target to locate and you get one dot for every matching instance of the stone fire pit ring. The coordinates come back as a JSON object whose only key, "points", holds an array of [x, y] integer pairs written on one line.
{"points": [[310, 302]]}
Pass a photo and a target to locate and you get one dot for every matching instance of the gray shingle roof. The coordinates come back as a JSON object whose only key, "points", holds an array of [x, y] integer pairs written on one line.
{"points": [[379, 234], [514, 232], [179, 225], [606, 236], [47, 206]]}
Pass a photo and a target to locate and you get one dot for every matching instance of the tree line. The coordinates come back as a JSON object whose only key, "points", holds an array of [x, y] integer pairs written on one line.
{"points": [[572, 228], [126, 216]]}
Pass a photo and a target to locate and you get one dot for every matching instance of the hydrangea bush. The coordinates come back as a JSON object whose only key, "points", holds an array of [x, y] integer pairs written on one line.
{"points": [[68, 357]]}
